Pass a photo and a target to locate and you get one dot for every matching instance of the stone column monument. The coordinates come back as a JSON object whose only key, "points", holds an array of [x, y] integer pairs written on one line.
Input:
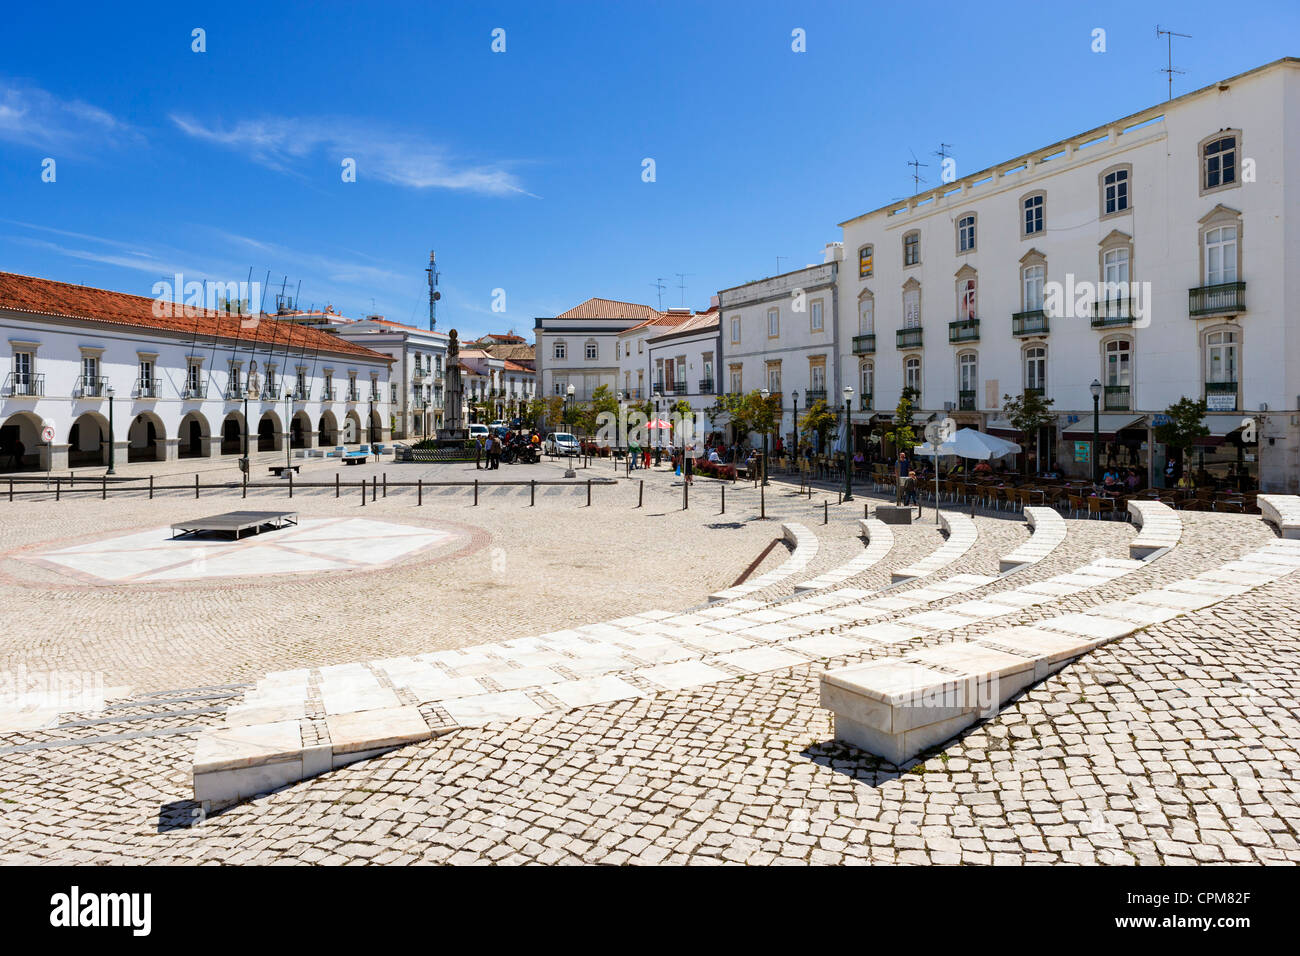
{"points": [[453, 419]]}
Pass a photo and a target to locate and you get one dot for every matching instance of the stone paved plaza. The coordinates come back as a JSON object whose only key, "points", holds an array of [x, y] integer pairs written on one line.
{"points": [[1174, 744]]}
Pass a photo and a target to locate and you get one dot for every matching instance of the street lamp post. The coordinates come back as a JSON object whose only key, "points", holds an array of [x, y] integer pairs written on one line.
{"points": [[568, 405], [109, 392], [766, 394], [794, 394], [1095, 388], [243, 462], [659, 439], [288, 429], [848, 442]]}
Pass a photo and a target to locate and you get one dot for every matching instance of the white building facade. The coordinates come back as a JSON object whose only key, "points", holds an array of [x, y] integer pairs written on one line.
{"points": [[1148, 255], [418, 374], [580, 347], [683, 361], [782, 333], [172, 386]]}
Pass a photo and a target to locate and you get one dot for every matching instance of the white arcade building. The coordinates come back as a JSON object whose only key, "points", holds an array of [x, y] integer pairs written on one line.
{"points": [[172, 385]]}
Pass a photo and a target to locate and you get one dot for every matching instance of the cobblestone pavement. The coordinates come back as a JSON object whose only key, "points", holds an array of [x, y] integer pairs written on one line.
{"points": [[1176, 744]]}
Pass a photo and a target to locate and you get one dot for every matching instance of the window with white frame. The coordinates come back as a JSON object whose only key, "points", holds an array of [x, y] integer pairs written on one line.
{"points": [[560, 386], [735, 330], [1119, 362], [817, 378], [911, 249], [966, 233], [89, 371], [866, 316], [912, 373], [1220, 255], [1033, 215], [868, 376], [966, 371], [1032, 280], [911, 308], [1115, 274], [561, 350], [966, 300], [773, 323], [735, 376], [1221, 357], [1219, 162], [592, 351], [816, 317], [23, 366], [1036, 368], [193, 377], [774, 377], [1115, 191]]}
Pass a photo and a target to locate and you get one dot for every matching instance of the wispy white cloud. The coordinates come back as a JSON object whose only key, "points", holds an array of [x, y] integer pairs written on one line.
{"points": [[35, 117], [402, 159]]}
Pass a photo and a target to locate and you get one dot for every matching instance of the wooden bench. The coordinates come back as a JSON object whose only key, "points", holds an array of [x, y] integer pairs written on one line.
{"points": [[355, 458], [279, 470]]}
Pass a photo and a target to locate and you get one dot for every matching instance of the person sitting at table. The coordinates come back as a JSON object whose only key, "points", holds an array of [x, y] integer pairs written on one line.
{"points": [[1132, 482], [713, 456], [983, 468]]}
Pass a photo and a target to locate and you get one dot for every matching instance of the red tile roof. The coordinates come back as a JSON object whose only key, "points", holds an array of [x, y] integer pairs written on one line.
{"points": [[699, 322], [513, 366], [609, 309], [46, 297]]}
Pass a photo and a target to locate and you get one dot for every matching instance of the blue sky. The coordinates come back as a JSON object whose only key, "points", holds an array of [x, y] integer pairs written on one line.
{"points": [[524, 168]]}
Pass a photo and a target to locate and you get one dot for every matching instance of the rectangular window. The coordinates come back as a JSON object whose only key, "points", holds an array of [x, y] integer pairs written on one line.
{"points": [[966, 234], [774, 379], [911, 248], [22, 368], [735, 380], [864, 262], [1033, 215], [1115, 275], [866, 317], [1221, 255], [592, 350], [735, 330], [1036, 369], [193, 377], [773, 323], [1116, 191], [561, 351], [817, 378], [1033, 281], [911, 308], [817, 318], [1221, 162], [89, 369]]}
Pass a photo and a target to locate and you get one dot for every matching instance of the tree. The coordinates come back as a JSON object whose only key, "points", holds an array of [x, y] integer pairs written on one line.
{"points": [[1185, 425], [900, 433], [554, 410], [1029, 413], [818, 419]]}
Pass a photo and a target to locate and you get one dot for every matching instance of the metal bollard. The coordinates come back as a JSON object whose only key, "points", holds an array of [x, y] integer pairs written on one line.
{"points": [[363, 492], [686, 498], [588, 492], [724, 500], [196, 484], [640, 492], [291, 483], [385, 484], [419, 492], [826, 511], [103, 491], [532, 492], [151, 487], [475, 492], [336, 484], [374, 487]]}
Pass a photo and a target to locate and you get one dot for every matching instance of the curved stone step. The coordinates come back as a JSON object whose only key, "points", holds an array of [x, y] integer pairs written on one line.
{"points": [[880, 540], [805, 549], [1281, 511], [1048, 531], [1159, 528], [961, 536]]}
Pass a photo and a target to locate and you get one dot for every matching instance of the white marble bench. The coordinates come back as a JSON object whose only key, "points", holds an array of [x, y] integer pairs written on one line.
{"points": [[1282, 511], [961, 535], [1159, 528], [1048, 531]]}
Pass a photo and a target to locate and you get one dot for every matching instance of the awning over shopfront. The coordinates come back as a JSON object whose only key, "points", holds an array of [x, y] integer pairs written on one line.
{"points": [[1221, 426], [1109, 426], [1000, 426]]}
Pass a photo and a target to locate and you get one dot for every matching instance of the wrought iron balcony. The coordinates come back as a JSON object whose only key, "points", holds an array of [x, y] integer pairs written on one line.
{"points": [[90, 386], [864, 344], [145, 388], [964, 330], [193, 392], [1215, 393], [909, 338], [301, 393], [1107, 313], [327, 394], [24, 386], [966, 400], [355, 396], [1225, 298], [234, 392], [706, 386], [1036, 390], [1033, 322], [814, 395], [864, 402], [1115, 398]]}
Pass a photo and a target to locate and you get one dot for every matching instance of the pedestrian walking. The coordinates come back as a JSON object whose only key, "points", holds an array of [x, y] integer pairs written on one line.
{"points": [[901, 471]]}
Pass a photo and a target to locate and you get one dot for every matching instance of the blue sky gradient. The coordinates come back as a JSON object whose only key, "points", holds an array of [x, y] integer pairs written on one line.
{"points": [[523, 169]]}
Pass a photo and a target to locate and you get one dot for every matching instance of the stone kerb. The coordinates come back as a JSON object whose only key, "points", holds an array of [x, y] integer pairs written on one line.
{"points": [[1048, 531], [1159, 528], [1283, 512]]}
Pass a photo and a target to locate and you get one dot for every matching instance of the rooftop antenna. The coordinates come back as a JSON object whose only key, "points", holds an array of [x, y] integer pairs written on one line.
{"points": [[434, 294], [943, 154], [659, 287], [916, 173], [778, 263], [682, 284], [1169, 46]]}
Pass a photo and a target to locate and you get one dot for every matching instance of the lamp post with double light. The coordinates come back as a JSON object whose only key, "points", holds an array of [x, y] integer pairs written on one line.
{"points": [[568, 407], [766, 395], [109, 392]]}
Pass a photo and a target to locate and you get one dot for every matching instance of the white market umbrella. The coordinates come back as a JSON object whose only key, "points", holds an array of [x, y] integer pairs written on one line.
{"points": [[969, 443]]}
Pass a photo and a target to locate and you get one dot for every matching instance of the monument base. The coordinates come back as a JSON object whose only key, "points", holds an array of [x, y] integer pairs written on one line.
{"points": [[894, 514]]}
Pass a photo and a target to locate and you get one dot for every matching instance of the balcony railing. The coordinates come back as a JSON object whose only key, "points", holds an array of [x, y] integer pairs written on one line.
{"points": [[327, 394], [192, 392], [1036, 390], [706, 386], [1115, 398], [301, 393], [864, 344], [864, 402], [145, 388], [1214, 396], [966, 400], [234, 392], [1033, 322], [1107, 313], [964, 330], [909, 338], [90, 386], [1222, 299], [814, 395], [24, 386], [355, 396], [269, 394]]}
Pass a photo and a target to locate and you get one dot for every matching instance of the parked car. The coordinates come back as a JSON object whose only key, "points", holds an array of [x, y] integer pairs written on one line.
{"points": [[497, 425], [478, 432], [560, 443]]}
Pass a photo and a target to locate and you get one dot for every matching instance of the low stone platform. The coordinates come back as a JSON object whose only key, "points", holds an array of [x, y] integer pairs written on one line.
{"points": [[1048, 531], [1283, 512], [1160, 528], [961, 535], [894, 514]]}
